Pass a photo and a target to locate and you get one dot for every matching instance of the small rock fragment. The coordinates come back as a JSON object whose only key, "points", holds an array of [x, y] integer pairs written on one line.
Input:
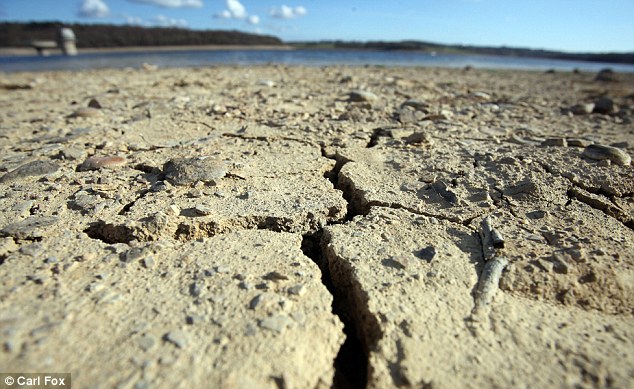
{"points": [[559, 265], [399, 261], [85, 112], [149, 67], [32, 227], [606, 75], [96, 163], [443, 190], [177, 338], [202, 210], [418, 138], [15, 86], [560, 142], [428, 253], [601, 152], [575, 142], [275, 323], [582, 109], [160, 186], [93, 103], [134, 254], [408, 115], [148, 262], [187, 171], [297, 290], [269, 83], [521, 188], [72, 153], [196, 289], [275, 276], [34, 168], [416, 104], [605, 106], [361, 95]]}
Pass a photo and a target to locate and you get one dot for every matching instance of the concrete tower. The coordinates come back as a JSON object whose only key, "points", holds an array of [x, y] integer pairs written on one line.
{"points": [[66, 40]]}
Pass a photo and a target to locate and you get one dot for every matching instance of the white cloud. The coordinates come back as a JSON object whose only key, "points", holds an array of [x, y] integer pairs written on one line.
{"points": [[164, 21], [157, 21], [172, 3], [286, 12], [134, 20], [235, 10], [225, 14], [93, 9]]}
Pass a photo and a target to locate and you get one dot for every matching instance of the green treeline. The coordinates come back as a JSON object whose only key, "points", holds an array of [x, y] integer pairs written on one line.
{"points": [[464, 49], [104, 35]]}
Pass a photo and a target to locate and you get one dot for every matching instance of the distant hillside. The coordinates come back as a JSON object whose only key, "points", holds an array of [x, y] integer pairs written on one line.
{"points": [[103, 35], [463, 49]]}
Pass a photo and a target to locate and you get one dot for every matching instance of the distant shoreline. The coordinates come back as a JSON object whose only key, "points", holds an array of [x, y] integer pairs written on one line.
{"points": [[29, 51]]}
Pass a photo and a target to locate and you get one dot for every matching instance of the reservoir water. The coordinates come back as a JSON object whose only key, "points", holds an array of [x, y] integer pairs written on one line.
{"points": [[313, 57]]}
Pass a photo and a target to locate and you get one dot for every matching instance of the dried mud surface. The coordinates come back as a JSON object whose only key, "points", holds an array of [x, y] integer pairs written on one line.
{"points": [[217, 227]]}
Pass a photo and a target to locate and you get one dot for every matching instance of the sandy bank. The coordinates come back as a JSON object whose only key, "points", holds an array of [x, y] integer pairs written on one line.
{"points": [[8, 51]]}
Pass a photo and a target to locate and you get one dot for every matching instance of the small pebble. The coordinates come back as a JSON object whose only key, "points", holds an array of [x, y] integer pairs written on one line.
{"points": [[275, 276], [188, 171], [443, 190], [428, 253], [399, 261], [560, 142], [148, 262], [15, 86], [360, 95], [33, 227], [149, 67], [196, 289], [582, 109], [275, 323], [96, 163], [418, 138], [34, 168], [605, 106], [159, 186], [93, 103], [268, 83], [203, 210], [72, 153], [297, 290], [134, 253], [606, 75], [85, 112], [176, 337], [416, 104], [601, 152], [574, 142]]}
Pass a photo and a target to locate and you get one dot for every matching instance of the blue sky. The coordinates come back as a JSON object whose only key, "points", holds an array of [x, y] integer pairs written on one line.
{"points": [[570, 25]]}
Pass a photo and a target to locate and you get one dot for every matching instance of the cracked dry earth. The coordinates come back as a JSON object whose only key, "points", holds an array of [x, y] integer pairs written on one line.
{"points": [[216, 227]]}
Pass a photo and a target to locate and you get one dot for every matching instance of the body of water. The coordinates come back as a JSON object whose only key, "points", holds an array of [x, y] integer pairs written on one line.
{"points": [[313, 57]]}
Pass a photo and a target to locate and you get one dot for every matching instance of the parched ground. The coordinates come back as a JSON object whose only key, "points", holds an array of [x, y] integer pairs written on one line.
{"points": [[307, 227]]}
